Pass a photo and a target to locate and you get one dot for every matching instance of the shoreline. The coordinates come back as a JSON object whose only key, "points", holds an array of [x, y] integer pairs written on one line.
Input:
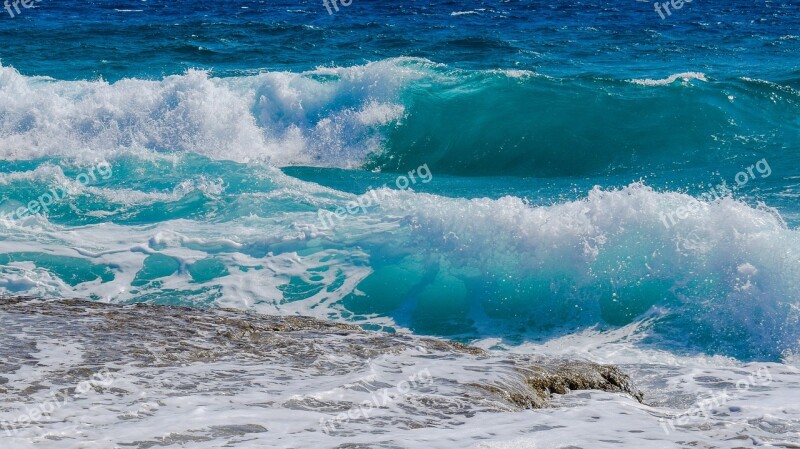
{"points": [[146, 348]]}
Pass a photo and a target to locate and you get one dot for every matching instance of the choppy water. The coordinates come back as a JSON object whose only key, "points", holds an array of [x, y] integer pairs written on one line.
{"points": [[518, 173]]}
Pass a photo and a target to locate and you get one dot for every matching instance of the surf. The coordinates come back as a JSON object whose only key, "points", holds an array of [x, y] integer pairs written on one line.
{"points": [[398, 114]]}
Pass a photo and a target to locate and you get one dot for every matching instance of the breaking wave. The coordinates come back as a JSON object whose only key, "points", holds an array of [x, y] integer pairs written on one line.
{"points": [[399, 113]]}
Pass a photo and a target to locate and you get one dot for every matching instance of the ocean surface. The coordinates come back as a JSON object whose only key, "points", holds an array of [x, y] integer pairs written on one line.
{"points": [[565, 178]]}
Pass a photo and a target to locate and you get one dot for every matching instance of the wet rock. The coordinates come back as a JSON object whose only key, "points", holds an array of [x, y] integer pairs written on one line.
{"points": [[168, 338]]}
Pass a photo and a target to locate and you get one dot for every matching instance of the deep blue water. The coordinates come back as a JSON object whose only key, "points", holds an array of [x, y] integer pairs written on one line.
{"points": [[558, 136], [628, 39]]}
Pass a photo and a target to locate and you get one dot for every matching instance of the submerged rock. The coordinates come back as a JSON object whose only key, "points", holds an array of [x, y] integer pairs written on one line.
{"points": [[156, 358]]}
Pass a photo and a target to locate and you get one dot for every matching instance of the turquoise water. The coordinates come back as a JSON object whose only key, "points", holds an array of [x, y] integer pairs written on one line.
{"points": [[500, 169]]}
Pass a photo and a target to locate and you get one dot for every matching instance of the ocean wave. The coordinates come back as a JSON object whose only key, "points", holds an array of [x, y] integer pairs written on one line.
{"points": [[326, 116], [722, 280], [398, 114]]}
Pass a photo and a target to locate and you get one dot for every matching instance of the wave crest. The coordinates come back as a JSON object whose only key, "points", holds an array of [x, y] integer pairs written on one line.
{"points": [[398, 114], [327, 116]]}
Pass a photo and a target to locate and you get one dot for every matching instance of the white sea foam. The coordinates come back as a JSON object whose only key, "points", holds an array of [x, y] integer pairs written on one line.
{"points": [[685, 77], [327, 116], [564, 259], [245, 405], [747, 254]]}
